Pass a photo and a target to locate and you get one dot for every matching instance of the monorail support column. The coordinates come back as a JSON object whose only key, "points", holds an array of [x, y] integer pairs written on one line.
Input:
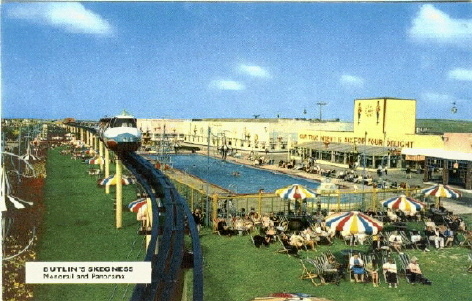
{"points": [[119, 194], [107, 169], [101, 147], [82, 138]]}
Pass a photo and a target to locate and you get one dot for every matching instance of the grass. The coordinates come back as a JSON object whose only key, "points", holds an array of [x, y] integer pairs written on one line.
{"points": [[445, 126], [79, 225], [235, 270]]}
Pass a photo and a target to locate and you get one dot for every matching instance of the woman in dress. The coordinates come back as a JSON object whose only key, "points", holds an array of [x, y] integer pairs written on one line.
{"points": [[356, 264]]}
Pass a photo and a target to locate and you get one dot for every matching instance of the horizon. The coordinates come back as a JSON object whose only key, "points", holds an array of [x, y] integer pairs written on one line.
{"points": [[233, 59]]}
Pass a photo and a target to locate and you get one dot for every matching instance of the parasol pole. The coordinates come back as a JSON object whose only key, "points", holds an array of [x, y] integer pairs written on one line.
{"points": [[119, 194]]}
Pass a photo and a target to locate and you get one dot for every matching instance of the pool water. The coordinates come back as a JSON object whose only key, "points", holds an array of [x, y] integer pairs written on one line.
{"points": [[236, 177]]}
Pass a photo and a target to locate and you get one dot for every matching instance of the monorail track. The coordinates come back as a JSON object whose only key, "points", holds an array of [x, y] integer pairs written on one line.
{"points": [[171, 216]]}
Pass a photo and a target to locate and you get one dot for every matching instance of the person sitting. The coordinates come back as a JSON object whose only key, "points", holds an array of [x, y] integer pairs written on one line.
{"points": [[438, 239], [371, 268], [270, 235], [260, 241], [418, 241], [356, 265], [332, 270], [360, 238], [296, 240], [223, 228], [379, 244], [395, 241], [392, 216], [415, 275], [390, 270], [323, 234], [449, 237]]}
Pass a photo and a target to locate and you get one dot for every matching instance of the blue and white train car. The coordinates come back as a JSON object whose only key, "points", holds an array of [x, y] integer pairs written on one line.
{"points": [[120, 133]]}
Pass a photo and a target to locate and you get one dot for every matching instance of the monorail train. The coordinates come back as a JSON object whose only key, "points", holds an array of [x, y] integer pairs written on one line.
{"points": [[120, 133]]}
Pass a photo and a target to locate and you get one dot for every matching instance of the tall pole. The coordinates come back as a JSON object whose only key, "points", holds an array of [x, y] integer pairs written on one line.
{"points": [[119, 194], [207, 185], [320, 104]]}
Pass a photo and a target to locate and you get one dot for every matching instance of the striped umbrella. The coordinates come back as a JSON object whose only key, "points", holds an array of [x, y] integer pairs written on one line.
{"points": [[404, 203], [295, 192], [441, 191], [136, 205], [111, 180], [354, 222], [96, 161]]}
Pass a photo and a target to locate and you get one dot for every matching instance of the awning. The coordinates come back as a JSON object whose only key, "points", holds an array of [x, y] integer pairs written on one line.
{"points": [[438, 153]]}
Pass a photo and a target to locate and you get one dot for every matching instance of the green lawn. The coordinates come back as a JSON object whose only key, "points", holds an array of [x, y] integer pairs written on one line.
{"points": [[235, 270], [79, 225]]}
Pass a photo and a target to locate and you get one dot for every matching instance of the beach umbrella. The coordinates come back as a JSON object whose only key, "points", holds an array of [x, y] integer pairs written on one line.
{"points": [[441, 191], [111, 180], [354, 222], [295, 192], [96, 161], [404, 204], [136, 205]]}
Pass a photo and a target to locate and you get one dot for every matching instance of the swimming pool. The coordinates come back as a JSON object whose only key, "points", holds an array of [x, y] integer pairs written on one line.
{"points": [[236, 177]]}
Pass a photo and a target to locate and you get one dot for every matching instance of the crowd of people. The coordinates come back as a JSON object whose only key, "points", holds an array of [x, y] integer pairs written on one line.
{"points": [[267, 229]]}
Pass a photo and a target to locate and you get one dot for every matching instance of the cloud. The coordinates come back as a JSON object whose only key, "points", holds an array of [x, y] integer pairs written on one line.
{"points": [[460, 74], [437, 97], [71, 16], [351, 81], [227, 85], [433, 25], [254, 71]]}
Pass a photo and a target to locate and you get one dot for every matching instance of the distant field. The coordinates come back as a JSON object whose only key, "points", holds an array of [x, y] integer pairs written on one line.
{"points": [[444, 125]]}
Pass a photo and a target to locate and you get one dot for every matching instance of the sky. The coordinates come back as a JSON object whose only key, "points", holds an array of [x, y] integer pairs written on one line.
{"points": [[233, 60]]}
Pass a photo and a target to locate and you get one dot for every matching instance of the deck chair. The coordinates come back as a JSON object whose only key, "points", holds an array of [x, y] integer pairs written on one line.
{"points": [[311, 274], [259, 241], [384, 260], [467, 242], [404, 261], [286, 248], [407, 244]]}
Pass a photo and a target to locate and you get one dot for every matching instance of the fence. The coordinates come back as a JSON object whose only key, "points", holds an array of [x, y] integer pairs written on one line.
{"points": [[230, 205]]}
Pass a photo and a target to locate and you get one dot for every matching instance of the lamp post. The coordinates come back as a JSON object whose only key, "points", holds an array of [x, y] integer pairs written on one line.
{"points": [[321, 104]]}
